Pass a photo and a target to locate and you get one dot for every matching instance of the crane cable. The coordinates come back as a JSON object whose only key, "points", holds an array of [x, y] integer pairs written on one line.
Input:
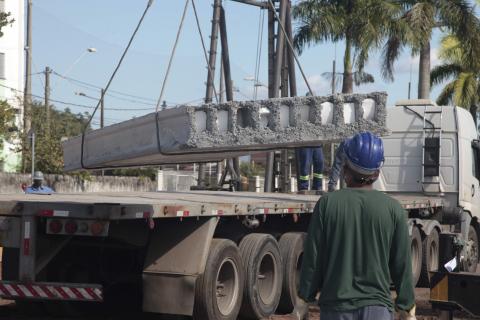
{"points": [[149, 4], [282, 27], [261, 21], [172, 55]]}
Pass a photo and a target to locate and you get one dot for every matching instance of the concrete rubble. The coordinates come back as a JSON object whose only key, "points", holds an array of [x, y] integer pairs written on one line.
{"points": [[213, 132]]}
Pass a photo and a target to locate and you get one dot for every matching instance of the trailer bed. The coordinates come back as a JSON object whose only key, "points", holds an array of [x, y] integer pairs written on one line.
{"points": [[175, 204]]}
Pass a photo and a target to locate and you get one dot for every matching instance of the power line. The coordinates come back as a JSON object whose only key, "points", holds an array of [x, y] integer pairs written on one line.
{"points": [[79, 105], [86, 84]]}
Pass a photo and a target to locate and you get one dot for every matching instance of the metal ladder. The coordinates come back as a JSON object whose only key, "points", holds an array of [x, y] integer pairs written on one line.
{"points": [[432, 143]]}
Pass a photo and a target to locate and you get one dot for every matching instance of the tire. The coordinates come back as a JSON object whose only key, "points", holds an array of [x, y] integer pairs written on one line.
{"points": [[291, 249], [224, 272], [416, 252], [430, 250], [472, 260], [262, 263]]}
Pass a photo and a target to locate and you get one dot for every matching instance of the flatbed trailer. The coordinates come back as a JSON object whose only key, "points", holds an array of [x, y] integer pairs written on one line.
{"points": [[159, 248]]}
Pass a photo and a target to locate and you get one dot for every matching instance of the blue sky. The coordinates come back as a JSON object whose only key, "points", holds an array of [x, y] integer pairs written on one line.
{"points": [[63, 30]]}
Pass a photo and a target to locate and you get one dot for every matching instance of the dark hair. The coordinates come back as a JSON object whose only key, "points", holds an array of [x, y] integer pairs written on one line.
{"points": [[361, 178]]}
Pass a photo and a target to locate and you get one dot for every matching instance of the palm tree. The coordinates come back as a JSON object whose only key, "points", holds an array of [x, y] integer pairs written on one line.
{"points": [[463, 89], [360, 23], [415, 28]]}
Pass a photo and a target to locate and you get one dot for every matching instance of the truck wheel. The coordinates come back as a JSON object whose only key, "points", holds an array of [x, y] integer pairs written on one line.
{"points": [[416, 252], [219, 289], [263, 273], [472, 250], [291, 248], [430, 249]]}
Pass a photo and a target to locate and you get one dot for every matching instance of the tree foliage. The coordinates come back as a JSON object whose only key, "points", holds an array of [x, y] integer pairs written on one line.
{"points": [[360, 23], [462, 76], [415, 26], [8, 130], [48, 138], [5, 20]]}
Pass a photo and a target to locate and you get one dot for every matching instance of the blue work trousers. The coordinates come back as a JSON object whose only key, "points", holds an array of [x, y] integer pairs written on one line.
{"points": [[365, 313], [305, 158]]}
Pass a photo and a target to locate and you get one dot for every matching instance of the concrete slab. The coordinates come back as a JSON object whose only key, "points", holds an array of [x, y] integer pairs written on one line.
{"points": [[216, 131]]}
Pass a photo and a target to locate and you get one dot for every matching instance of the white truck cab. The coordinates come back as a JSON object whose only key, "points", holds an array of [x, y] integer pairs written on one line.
{"points": [[433, 151]]}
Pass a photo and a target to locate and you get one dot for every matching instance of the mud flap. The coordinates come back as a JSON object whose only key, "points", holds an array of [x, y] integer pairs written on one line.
{"points": [[176, 256]]}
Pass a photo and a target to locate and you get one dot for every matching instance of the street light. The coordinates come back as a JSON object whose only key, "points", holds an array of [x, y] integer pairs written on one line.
{"points": [[89, 50]]}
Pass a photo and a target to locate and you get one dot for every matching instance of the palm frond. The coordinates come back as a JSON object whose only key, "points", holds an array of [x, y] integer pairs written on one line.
{"points": [[450, 49], [465, 90], [361, 77], [443, 72], [391, 51], [445, 96], [317, 22]]}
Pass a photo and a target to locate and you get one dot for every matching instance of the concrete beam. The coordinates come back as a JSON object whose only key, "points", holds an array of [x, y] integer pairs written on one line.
{"points": [[215, 131]]}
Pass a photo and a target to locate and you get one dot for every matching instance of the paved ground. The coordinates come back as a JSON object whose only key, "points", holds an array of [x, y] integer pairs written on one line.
{"points": [[8, 310]]}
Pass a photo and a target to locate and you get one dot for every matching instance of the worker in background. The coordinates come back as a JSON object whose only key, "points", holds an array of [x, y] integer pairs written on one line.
{"points": [[337, 166], [37, 187], [305, 158], [357, 243]]}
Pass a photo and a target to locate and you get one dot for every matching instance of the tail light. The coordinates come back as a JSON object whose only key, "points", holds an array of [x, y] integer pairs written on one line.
{"points": [[55, 226], [96, 228], [71, 227], [89, 228]]}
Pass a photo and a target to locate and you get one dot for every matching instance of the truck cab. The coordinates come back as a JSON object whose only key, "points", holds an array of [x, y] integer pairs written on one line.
{"points": [[434, 151]]}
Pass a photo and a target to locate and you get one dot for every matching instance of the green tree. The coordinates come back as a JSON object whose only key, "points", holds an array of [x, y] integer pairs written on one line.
{"points": [[5, 20], [48, 146], [8, 130], [360, 23], [415, 27], [463, 86]]}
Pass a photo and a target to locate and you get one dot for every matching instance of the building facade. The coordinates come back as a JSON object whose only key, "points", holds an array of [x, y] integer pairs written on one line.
{"points": [[12, 77]]}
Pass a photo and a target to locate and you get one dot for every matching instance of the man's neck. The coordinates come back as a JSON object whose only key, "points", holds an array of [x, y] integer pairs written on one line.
{"points": [[360, 186]]}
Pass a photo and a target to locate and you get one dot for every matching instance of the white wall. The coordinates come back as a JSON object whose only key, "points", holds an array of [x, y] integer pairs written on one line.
{"points": [[12, 45]]}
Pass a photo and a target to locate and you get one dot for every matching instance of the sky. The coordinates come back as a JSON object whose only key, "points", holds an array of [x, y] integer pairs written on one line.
{"points": [[63, 30]]}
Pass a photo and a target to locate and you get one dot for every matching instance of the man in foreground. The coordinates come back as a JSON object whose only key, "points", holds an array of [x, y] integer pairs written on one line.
{"points": [[357, 243]]}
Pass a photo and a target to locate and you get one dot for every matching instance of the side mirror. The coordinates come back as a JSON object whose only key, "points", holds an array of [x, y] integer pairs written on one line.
{"points": [[476, 144]]}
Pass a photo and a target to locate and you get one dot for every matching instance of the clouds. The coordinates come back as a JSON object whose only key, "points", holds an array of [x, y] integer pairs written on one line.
{"points": [[408, 62], [319, 84]]}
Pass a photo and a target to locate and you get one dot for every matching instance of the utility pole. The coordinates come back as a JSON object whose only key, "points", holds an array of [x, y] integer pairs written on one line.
{"points": [[47, 99], [333, 76], [27, 99], [102, 108], [27, 92]]}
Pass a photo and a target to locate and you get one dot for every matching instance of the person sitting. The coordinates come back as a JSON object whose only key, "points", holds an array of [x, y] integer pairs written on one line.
{"points": [[37, 187]]}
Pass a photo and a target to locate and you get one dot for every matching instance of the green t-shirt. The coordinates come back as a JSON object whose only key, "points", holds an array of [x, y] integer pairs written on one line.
{"points": [[357, 243]]}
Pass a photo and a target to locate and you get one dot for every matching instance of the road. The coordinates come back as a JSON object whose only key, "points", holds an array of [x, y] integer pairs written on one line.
{"points": [[8, 310]]}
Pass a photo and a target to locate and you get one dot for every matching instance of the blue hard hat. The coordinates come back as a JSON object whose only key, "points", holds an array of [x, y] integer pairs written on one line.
{"points": [[364, 153]]}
